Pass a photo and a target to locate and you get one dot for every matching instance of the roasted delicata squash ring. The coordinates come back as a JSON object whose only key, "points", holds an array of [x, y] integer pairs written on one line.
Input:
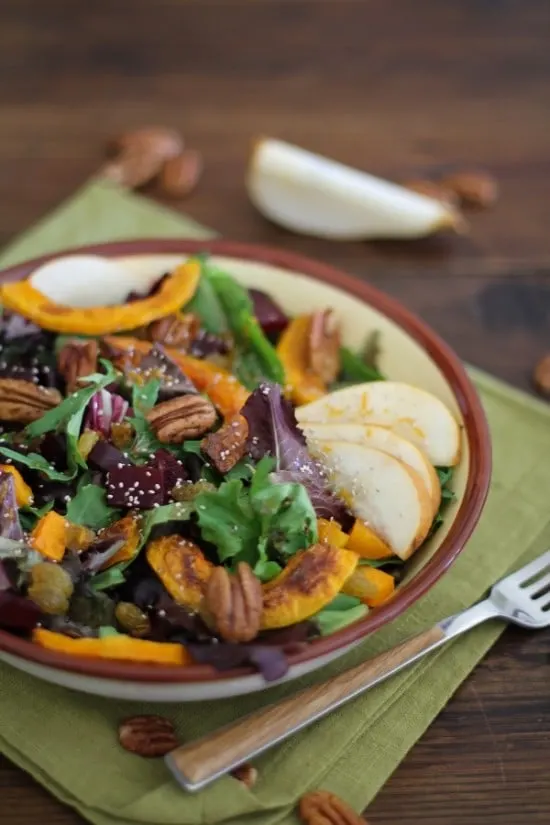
{"points": [[182, 568], [309, 582], [175, 291], [223, 389]]}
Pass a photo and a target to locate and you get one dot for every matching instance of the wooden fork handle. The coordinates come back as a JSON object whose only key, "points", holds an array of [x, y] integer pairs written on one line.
{"points": [[198, 763]]}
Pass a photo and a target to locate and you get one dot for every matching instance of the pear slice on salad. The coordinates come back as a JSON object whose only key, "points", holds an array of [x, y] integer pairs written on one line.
{"points": [[413, 413], [381, 438], [317, 196], [380, 489]]}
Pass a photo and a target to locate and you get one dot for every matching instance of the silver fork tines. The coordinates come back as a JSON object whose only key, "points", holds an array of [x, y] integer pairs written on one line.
{"points": [[524, 596]]}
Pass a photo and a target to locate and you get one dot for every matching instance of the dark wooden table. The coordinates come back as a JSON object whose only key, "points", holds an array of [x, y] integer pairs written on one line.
{"points": [[396, 88]]}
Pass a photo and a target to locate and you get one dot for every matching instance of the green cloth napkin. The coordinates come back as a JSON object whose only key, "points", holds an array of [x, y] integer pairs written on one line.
{"points": [[68, 741]]}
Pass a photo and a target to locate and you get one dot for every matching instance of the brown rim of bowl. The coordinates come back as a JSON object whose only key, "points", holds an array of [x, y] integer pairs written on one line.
{"points": [[466, 518]]}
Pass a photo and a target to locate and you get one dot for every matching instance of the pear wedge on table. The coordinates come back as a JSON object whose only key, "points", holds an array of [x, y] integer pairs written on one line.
{"points": [[380, 489], [381, 438], [410, 412], [314, 195]]}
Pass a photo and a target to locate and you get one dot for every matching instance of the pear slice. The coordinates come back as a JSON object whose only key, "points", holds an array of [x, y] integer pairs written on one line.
{"points": [[413, 413], [316, 196], [86, 280], [380, 489], [381, 438]]}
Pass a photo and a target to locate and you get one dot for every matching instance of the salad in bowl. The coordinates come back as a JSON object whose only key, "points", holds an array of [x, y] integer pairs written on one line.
{"points": [[192, 476]]}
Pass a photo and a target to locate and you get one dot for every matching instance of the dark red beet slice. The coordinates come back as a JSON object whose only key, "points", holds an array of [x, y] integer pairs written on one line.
{"points": [[172, 468], [105, 456], [270, 317], [135, 487]]}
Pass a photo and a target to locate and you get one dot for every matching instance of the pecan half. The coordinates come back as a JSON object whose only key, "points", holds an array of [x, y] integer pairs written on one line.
{"points": [[233, 604], [187, 416], [246, 773], [147, 735], [325, 808], [181, 174], [227, 446], [324, 345], [472, 188], [541, 376], [25, 402], [75, 360], [178, 330]]}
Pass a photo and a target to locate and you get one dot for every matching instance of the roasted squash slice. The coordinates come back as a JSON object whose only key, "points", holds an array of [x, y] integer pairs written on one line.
{"points": [[175, 291], [366, 543], [370, 585], [182, 568], [223, 389], [330, 532], [303, 385], [308, 583], [23, 493], [129, 529], [114, 647], [49, 536]]}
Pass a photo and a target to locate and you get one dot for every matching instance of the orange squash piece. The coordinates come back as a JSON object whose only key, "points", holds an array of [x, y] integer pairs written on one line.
{"points": [[129, 528], [174, 292], [120, 647], [49, 536], [223, 389], [330, 532], [372, 586], [182, 568], [303, 385], [309, 582], [366, 543], [23, 493]]}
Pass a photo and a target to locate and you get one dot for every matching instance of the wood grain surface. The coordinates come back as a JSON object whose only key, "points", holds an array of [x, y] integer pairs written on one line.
{"points": [[400, 89]]}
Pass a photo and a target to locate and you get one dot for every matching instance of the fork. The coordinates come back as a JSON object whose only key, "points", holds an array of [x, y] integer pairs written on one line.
{"points": [[522, 598]]}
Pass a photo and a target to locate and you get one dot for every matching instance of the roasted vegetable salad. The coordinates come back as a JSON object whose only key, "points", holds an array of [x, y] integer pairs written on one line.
{"points": [[193, 477]]}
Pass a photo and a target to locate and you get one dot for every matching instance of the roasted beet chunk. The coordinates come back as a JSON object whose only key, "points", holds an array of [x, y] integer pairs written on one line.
{"points": [[135, 487], [172, 468], [270, 317], [106, 457]]}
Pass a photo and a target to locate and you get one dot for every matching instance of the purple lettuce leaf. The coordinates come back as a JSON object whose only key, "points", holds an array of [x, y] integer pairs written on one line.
{"points": [[100, 552], [207, 343], [6, 582], [173, 381], [105, 408], [270, 661], [273, 430], [10, 527], [269, 315]]}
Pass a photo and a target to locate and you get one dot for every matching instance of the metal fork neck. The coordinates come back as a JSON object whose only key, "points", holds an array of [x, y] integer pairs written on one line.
{"points": [[467, 619]]}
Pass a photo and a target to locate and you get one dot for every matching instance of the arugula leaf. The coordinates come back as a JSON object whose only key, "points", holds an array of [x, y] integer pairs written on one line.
{"points": [[206, 304], [69, 414], [145, 397], [287, 518], [391, 562], [329, 621], [445, 475], [343, 602], [178, 511], [37, 462], [255, 358], [29, 516], [354, 369], [89, 507]]}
